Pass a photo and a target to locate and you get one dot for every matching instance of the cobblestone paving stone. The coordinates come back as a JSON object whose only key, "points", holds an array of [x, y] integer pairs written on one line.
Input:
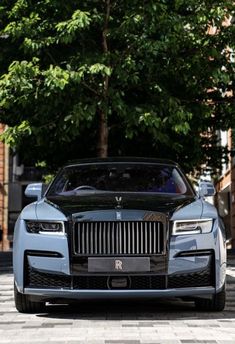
{"points": [[152, 322]]}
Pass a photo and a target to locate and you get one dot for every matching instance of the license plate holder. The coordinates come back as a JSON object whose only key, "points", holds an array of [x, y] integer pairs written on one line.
{"points": [[119, 264]]}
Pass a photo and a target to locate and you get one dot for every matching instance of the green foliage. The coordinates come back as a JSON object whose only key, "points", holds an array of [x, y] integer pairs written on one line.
{"points": [[151, 67], [13, 135], [67, 30], [47, 178]]}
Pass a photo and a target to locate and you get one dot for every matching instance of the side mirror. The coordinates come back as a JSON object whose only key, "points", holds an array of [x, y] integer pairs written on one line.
{"points": [[34, 190], [206, 189]]}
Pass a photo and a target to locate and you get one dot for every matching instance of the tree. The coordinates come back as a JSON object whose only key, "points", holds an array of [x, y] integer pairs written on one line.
{"points": [[116, 77]]}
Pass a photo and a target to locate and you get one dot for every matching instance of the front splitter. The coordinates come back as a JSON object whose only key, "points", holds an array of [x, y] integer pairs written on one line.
{"points": [[117, 294]]}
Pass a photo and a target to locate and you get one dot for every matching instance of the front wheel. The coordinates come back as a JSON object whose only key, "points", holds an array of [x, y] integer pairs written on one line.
{"points": [[216, 304], [24, 305]]}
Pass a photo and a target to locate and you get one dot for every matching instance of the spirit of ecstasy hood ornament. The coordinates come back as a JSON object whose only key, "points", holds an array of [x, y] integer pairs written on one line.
{"points": [[119, 201]]}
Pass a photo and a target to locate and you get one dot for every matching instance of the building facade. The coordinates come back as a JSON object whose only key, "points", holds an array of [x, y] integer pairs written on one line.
{"points": [[225, 187], [4, 193], [14, 177]]}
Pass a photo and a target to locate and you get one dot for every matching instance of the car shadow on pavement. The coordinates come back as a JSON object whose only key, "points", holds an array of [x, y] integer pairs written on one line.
{"points": [[172, 309]]}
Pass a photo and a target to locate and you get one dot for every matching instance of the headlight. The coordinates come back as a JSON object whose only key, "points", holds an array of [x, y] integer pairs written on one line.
{"points": [[45, 227], [192, 226]]}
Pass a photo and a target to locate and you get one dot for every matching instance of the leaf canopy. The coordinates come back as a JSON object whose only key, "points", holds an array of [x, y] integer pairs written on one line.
{"points": [[153, 69]]}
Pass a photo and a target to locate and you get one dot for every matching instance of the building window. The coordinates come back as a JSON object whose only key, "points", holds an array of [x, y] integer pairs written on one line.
{"points": [[223, 142]]}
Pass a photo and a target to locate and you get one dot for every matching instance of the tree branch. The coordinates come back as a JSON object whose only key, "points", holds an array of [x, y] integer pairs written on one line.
{"points": [[90, 88], [105, 42], [102, 113], [51, 57]]}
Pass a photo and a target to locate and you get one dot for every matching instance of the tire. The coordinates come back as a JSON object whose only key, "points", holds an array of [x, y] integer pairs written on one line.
{"points": [[24, 305], [216, 304]]}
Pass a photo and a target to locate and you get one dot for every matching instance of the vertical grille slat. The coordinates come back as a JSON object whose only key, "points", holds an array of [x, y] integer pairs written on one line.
{"points": [[108, 238], [113, 238], [87, 239], [146, 237], [124, 238], [133, 237], [137, 237], [141, 238], [96, 239], [154, 237], [100, 238], [91, 239], [79, 242], [83, 239], [104, 237], [158, 236], [150, 238], [119, 237], [129, 236]]}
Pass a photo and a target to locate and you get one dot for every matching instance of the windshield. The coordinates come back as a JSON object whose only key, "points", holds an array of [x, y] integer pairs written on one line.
{"points": [[119, 177]]}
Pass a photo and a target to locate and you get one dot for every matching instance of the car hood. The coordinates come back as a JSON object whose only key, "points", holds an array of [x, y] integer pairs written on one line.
{"points": [[104, 201]]}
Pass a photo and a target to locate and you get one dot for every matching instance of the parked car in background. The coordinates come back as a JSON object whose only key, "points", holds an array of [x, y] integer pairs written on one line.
{"points": [[119, 228]]}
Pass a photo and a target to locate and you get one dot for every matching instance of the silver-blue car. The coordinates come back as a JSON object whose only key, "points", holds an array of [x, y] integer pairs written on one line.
{"points": [[119, 228]]}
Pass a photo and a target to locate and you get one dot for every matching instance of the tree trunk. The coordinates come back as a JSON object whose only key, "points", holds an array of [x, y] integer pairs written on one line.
{"points": [[103, 120], [103, 136]]}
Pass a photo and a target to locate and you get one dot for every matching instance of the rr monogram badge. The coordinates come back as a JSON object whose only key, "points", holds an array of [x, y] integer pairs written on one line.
{"points": [[118, 264]]}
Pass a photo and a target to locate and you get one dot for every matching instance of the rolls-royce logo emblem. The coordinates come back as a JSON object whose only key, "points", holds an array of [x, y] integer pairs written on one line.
{"points": [[118, 264], [119, 201], [118, 215]]}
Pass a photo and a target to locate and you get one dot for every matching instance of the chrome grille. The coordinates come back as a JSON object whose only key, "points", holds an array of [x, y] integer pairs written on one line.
{"points": [[119, 237]]}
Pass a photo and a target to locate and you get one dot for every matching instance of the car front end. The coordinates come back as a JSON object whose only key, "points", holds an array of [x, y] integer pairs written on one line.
{"points": [[119, 244]]}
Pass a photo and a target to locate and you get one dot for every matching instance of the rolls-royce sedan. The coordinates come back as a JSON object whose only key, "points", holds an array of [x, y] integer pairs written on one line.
{"points": [[119, 228]]}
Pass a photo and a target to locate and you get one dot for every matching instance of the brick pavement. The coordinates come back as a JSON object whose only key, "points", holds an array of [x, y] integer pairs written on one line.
{"points": [[161, 322]]}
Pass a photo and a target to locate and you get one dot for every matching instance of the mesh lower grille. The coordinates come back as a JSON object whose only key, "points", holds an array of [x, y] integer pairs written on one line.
{"points": [[37, 279], [43, 280], [134, 282], [198, 279], [91, 282]]}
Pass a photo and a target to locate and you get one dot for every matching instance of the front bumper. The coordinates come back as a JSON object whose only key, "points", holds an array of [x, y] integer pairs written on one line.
{"points": [[41, 285], [52, 294]]}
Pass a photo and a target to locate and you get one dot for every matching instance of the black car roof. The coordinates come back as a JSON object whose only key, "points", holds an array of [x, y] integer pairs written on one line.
{"points": [[121, 159]]}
